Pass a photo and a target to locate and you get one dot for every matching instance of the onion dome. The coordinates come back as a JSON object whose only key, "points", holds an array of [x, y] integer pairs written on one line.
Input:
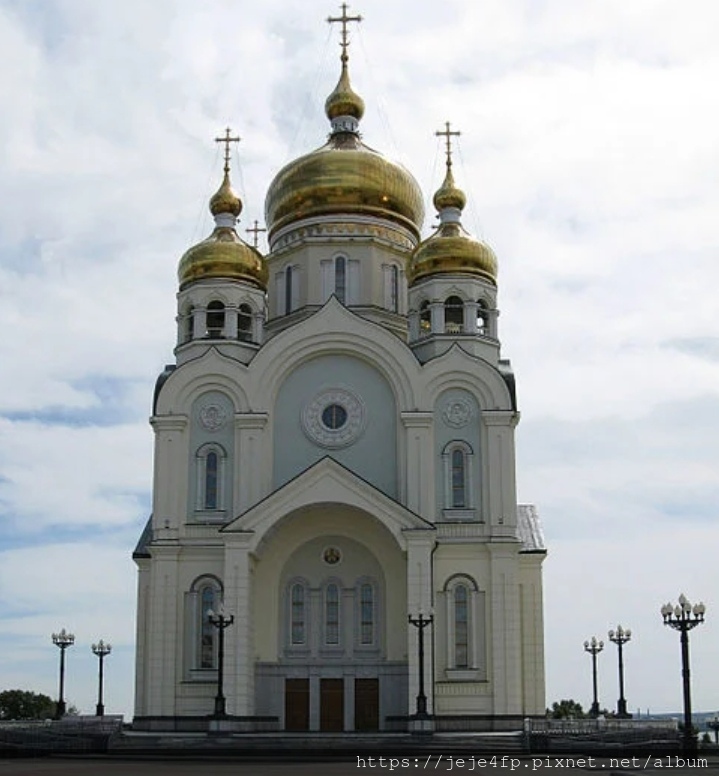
{"points": [[344, 175], [451, 249], [223, 255]]}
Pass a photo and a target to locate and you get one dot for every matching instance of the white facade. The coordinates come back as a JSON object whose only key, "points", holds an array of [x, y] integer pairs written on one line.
{"points": [[325, 467]]}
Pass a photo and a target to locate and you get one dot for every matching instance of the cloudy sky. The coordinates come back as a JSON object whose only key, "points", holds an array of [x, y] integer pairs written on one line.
{"points": [[590, 156]]}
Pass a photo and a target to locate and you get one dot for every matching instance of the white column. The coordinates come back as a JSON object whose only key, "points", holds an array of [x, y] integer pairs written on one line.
{"points": [[500, 483], [420, 601], [258, 327], [436, 310], [199, 323], [250, 444], [169, 486], [231, 323], [414, 326], [470, 317], [418, 468], [239, 677]]}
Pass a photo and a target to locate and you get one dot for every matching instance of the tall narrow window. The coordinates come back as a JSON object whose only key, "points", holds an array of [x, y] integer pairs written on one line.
{"points": [[481, 316], [189, 325], [459, 479], [425, 319], [244, 323], [394, 288], [461, 626], [453, 315], [288, 289], [332, 614], [215, 319], [341, 278], [367, 614], [297, 614], [208, 598], [211, 480]]}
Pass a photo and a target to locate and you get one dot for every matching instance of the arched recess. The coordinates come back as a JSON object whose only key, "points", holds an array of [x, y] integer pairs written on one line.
{"points": [[464, 616], [200, 636]]}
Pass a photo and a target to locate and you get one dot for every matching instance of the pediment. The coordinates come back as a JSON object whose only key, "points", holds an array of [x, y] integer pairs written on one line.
{"points": [[327, 482]]}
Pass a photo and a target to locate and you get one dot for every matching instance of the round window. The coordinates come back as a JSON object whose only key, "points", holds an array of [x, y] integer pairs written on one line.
{"points": [[334, 416]]}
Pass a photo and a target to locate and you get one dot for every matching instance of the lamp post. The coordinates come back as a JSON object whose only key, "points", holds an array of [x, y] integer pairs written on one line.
{"points": [[594, 647], [683, 617], [620, 637], [102, 650], [220, 622], [421, 623], [63, 640]]}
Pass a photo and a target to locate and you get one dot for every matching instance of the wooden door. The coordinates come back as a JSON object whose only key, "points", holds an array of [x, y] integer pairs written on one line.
{"points": [[366, 704], [332, 702], [297, 704]]}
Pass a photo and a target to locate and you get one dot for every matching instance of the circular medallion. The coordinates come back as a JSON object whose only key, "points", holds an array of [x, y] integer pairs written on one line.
{"points": [[334, 418], [332, 556], [213, 417], [457, 413]]}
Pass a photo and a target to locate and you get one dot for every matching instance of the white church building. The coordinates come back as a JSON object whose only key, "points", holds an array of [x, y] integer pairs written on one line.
{"points": [[334, 454]]}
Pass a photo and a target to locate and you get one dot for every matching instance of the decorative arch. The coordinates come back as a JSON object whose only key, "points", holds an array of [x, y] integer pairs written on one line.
{"points": [[460, 480], [211, 473], [464, 610], [206, 592], [216, 316]]}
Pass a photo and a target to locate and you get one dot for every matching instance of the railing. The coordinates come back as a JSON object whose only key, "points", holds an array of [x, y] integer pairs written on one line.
{"points": [[82, 734]]}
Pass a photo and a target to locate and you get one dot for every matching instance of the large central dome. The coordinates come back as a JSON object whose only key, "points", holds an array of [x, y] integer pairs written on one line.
{"points": [[344, 176]]}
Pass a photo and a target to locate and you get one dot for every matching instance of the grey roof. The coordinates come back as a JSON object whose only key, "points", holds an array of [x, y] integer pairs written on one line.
{"points": [[142, 551], [529, 529]]}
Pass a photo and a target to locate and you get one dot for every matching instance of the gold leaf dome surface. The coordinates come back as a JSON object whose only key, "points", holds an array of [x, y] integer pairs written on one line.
{"points": [[224, 200], [452, 250], [344, 176], [223, 255]]}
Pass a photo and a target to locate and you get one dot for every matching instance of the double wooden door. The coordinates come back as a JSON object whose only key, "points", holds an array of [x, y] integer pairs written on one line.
{"points": [[332, 696]]}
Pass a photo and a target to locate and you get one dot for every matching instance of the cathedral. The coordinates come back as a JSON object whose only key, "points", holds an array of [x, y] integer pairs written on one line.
{"points": [[335, 542]]}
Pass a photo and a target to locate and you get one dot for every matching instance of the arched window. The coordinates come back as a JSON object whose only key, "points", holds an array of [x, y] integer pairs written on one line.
{"points": [[205, 594], [244, 322], [482, 319], [341, 278], [461, 626], [210, 478], [208, 602], [332, 614], [188, 325], [425, 319], [394, 288], [289, 279], [367, 614], [453, 315], [459, 479], [215, 319], [298, 615]]}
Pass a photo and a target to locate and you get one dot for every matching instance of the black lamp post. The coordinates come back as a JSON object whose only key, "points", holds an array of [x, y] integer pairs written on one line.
{"points": [[220, 622], [620, 637], [683, 617], [102, 650], [63, 640], [421, 623], [594, 647]]}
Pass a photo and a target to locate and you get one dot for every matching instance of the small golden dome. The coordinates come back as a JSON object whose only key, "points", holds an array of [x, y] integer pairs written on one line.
{"points": [[344, 101], [451, 250], [223, 255], [224, 200], [448, 195]]}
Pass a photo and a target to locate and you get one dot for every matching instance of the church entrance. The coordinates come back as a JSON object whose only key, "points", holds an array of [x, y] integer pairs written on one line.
{"points": [[366, 704], [332, 698], [297, 704]]}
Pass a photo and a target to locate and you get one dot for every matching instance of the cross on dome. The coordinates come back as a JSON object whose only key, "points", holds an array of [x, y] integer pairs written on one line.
{"points": [[344, 43], [447, 133], [255, 230], [227, 139]]}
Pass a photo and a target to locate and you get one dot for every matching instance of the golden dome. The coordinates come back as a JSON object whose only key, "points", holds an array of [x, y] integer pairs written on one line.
{"points": [[344, 175], [344, 101], [224, 200], [451, 249], [223, 254]]}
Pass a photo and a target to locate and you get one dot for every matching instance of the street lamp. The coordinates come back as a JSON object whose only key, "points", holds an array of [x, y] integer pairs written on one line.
{"points": [[63, 640], [620, 637], [421, 623], [683, 617], [594, 647], [102, 650], [220, 622]]}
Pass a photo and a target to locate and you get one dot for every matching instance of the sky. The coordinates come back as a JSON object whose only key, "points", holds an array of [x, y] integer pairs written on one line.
{"points": [[590, 157]]}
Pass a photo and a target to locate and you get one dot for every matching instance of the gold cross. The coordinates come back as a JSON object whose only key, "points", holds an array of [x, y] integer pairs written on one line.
{"points": [[343, 20], [227, 139], [255, 231], [447, 133]]}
